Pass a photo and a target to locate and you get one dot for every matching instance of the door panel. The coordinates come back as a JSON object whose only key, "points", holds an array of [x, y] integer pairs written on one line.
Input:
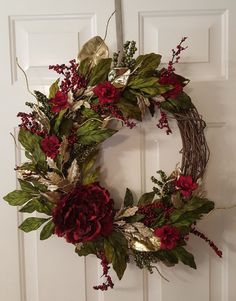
{"points": [[210, 63]]}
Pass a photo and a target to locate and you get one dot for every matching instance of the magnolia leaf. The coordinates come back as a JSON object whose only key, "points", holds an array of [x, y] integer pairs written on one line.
{"points": [[17, 197], [32, 223], [129, 110], [73, 172], [129, 199], [54, 89], [147, 63], [184, 256], [100, 72], [47, 230], [84, 66], [96, 136], [143, 103], [94, 50], [146, 198]]}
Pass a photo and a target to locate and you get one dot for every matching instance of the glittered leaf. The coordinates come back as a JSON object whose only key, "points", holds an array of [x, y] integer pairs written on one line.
{"points": [[94, 49], [32, 223]]}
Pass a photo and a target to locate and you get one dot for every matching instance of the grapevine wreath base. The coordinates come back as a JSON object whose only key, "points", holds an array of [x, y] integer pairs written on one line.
{"points": [[61, 136]]}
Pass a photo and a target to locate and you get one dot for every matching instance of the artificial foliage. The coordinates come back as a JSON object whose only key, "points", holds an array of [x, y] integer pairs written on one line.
{"points": [[62, 134]]}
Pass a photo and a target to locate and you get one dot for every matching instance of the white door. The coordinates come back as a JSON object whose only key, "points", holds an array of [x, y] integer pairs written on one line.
{"points": [[42, 33]]}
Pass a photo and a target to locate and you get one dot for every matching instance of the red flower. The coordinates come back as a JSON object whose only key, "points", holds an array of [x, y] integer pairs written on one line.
{"points": [[59, 102], [186, 185], [177, 81], [169, 236], [50, 146], [84, 214], [106, 92]]}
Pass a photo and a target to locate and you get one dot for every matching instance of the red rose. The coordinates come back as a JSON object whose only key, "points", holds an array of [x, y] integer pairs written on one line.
{"points": [[169, 236], [50, 146], [186, 185], [59, 102], [177, 81], [106, 92], [84, 214]]}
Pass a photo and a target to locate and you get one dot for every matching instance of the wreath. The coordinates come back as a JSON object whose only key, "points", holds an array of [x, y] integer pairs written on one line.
{"points": [[61, 136]]}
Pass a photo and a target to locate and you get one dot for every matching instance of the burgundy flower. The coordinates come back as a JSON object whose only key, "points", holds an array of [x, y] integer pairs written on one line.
{"points": [[169, 236], [186, 185], [106, 92], [59, 102], [50, 146], [177, 81], [84, 214]]}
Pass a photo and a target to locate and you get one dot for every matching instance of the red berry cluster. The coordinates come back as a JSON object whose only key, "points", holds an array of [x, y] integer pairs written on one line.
{"points": [[176, 55], [105, 267], [150, 214], [72, 80], [210, 242], [29, 123], [163, 123], [106, 110]]}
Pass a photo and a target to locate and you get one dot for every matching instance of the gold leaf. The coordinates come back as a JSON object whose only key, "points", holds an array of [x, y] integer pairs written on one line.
{"points": [[176, 200], [143, 103], [127, 212], [73, 172], [95, 49], [52, 196], [119, 76], [54, 178], [64, 149]]}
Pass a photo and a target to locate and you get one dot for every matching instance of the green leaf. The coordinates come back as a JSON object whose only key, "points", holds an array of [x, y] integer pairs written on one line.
{"points": [[109, 251], [37, 205], [146, 198], [89, 173], [147, 63], [135, 218], [95, 136], [129, 199], [87, 127], [31, 143], [100, 72], [138, 82], [129, 110], [27, 186], [120, 250], [192, 210], [87, 248], [17, 197], [53, 89], [32, 223], [47, 230], [89, 113], [184, 256], [182, 102], [84, 67], [58, 120]]}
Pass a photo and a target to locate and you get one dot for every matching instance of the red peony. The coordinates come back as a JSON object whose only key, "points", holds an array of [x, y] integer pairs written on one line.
{"points": [[175, 80], [59, 102], [169, 236], [50, 146], [186, 185], [106, 92], [84, 214]]}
